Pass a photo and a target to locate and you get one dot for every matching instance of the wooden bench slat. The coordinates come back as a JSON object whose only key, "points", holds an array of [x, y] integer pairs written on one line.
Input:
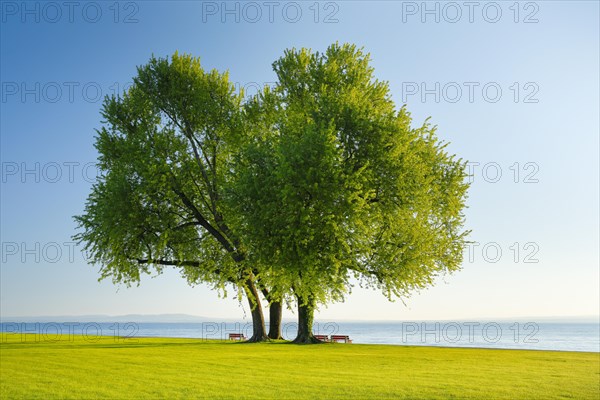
{"points": [[345, 338], [239, 336]]}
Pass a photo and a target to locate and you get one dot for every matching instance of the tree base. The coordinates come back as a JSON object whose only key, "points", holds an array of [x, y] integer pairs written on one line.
{"points": [[257, 339], [307, 339]]}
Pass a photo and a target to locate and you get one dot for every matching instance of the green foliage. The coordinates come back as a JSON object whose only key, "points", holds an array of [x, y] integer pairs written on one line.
{"points": [[313, 183], [163, 152], [334, 183]]}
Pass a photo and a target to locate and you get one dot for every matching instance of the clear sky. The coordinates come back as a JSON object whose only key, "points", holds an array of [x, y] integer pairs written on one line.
{"points": [[513, 86]]}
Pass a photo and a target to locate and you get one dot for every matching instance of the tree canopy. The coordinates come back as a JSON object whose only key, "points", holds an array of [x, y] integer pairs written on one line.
{"points": [[335, 184], [301, 191], [164, 152]]}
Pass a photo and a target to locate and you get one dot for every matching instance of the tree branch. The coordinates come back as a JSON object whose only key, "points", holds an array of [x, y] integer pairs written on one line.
{"points": [[203, 222]]}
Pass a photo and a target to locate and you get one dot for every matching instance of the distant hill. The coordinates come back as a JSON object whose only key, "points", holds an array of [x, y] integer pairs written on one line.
{"points": [[111, 318]]}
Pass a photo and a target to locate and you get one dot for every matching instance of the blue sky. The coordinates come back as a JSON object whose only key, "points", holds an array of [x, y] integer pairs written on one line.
{"points": [[514, 88]]}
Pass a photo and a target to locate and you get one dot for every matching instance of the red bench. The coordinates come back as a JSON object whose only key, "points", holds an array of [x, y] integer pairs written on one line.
{"points": [[339, 338], [237, 336], [322, 338]]}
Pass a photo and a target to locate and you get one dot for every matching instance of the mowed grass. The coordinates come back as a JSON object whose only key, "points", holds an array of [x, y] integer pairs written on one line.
{"points": [[109, 367]]}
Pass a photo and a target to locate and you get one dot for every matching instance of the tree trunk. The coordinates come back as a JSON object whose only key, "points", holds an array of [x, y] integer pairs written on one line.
{"points": [[275, 310], [306, 313], [258, 320]]}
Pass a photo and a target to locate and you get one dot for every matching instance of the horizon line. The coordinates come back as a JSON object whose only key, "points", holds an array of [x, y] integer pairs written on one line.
{"points": [[15, 318]]}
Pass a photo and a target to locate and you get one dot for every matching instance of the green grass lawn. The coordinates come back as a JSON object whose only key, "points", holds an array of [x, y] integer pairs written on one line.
{"points": [[109, 367]]}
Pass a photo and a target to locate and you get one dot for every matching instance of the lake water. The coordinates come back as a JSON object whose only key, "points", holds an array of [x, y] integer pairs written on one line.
{"points": [[511, 335]]}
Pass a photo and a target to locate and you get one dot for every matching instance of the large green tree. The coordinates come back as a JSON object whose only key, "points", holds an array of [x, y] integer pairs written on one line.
{"points": [[299, 193], [165, 152], [334, 185]]}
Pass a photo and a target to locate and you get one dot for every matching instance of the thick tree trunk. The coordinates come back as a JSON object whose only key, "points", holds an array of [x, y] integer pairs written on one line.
{"points": [[306, 313], [258, 320], [275, 310]]}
